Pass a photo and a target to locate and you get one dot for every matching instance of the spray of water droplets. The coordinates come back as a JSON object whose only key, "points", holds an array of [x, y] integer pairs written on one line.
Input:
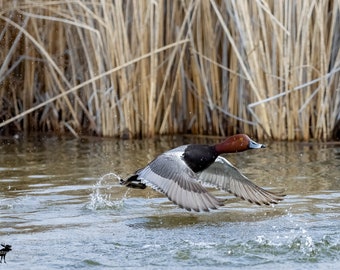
{"points": [[100, 198]]}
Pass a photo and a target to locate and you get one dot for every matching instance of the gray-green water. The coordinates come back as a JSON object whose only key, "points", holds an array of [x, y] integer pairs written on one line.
{"points": [[61, 207]]}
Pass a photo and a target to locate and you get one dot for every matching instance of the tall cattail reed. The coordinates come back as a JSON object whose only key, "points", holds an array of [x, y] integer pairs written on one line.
{"points": [[138, 68]]}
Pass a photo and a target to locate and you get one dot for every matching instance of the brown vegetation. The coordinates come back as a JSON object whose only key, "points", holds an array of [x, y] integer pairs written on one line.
{"points": [[138, 68]]}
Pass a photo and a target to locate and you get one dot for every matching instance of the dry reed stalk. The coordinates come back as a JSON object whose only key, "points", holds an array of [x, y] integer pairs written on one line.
{"points": [[168, 100]]}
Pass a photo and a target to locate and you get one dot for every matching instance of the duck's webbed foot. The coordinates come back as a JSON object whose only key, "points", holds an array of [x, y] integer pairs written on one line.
{"points": [[132, 182]]}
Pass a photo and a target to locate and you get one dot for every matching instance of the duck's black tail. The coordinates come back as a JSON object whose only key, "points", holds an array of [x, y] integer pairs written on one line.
{"points": [[132, 182]]}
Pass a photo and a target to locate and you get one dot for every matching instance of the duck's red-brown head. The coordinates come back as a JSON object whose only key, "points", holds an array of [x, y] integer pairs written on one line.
{"points": [[237, 143]]}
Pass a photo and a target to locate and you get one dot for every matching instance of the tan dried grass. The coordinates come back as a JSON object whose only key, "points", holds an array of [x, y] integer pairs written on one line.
{"points": [[140, 68]]}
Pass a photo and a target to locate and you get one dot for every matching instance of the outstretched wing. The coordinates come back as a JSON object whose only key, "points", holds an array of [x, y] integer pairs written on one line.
{"points": [[223, 175], [174, 179]]}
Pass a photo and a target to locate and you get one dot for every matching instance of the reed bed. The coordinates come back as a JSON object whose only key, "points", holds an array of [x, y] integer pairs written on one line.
{"points": [[131, 68]]}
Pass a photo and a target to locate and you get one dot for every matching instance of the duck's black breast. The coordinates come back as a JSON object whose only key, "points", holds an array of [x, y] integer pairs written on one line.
{"points": [[199, 157]]}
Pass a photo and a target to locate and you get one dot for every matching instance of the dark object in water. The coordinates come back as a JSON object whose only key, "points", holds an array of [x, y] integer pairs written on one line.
{"points": [[4, 251]]}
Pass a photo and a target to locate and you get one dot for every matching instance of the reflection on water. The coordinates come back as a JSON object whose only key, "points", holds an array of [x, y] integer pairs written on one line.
{"points": [[61, 206]]}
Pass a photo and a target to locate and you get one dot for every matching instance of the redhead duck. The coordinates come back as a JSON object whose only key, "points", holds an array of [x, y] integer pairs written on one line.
{"points": [[182, 173]]}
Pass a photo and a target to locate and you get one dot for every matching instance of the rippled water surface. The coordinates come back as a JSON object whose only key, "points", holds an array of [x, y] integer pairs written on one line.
{"points": [[61, 207]]}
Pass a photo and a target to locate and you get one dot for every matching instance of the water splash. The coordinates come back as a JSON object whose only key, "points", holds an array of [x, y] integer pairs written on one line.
{"points": [[300, 242], [100, 198]]}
